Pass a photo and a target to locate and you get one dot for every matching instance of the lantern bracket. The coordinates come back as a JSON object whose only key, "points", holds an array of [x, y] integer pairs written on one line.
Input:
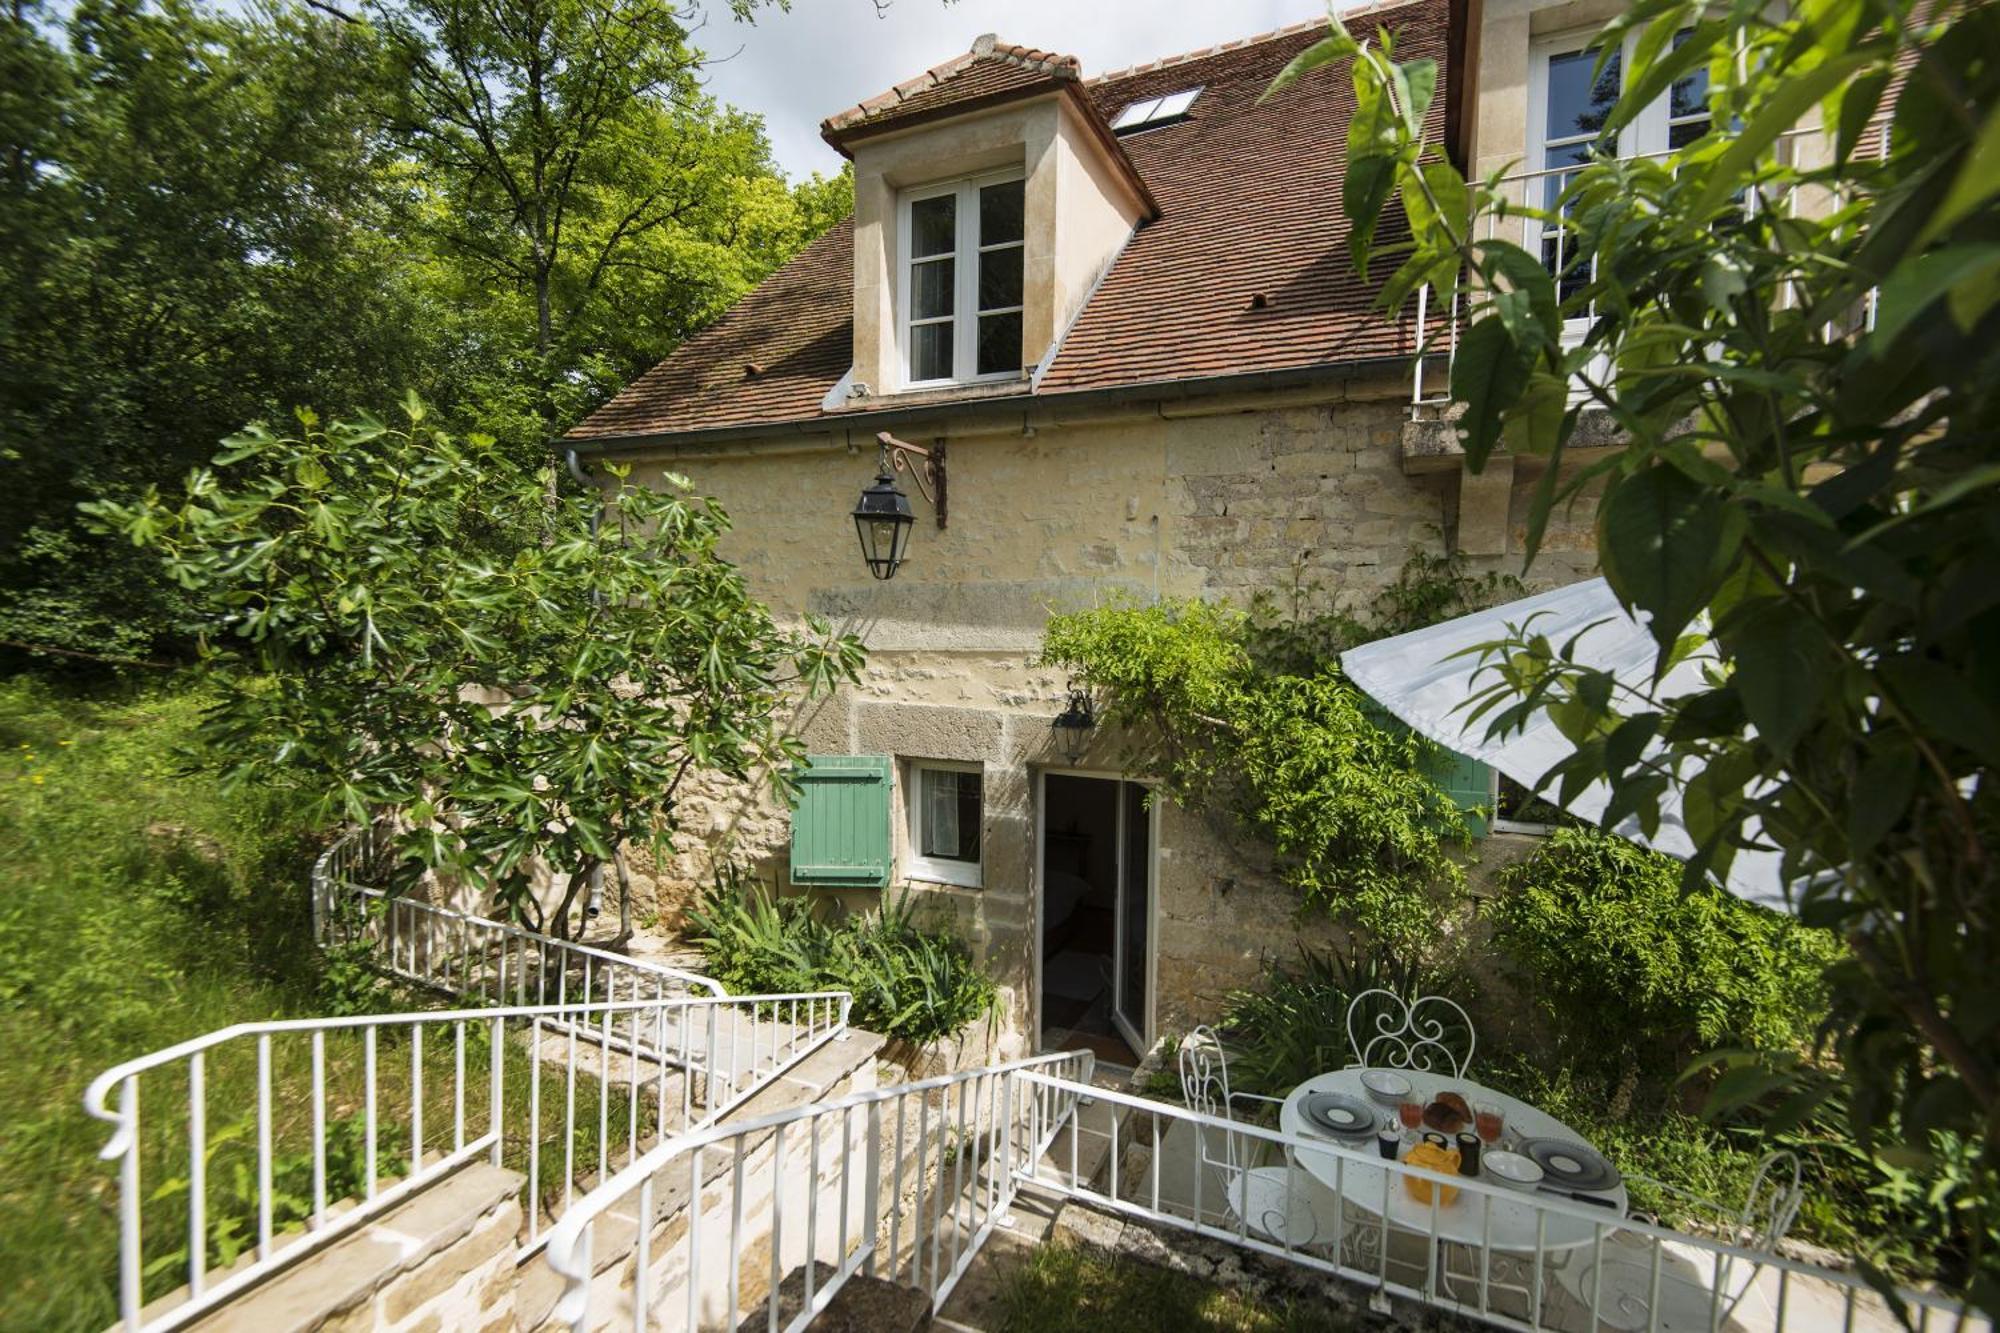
{"points": [[924, 466]]}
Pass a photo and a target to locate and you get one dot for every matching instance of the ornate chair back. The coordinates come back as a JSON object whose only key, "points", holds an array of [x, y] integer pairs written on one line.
{"points": [[1776, 1191], [1427, 1033], [1205, 1088]]}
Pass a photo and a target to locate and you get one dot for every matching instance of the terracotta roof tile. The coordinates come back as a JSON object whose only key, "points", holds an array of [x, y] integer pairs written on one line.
{"points": [[797, 327], [992, 68], [1250, 206]]}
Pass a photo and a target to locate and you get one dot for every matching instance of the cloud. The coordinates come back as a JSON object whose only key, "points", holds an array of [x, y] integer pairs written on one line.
{"points": [[796, 68]]}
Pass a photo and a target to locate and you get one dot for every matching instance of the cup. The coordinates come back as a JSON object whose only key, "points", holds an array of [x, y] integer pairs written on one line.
{"points": [[1490, 1120], [1411, 1112], [1468, 1153], [1388, 1141]]}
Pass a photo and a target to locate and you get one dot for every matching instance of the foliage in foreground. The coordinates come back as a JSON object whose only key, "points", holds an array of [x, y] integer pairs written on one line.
{"points": [[406, 621], [1808, 405], [1063, 1288], [1638, 975], [1247, 715], [909, 982]]}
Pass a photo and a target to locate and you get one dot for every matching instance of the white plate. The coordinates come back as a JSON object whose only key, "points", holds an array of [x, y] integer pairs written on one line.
{"points": [[1510, 1169]]}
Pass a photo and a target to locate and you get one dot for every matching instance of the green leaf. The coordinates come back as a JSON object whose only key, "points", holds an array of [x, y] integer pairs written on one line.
{"points": [[1978, 180], [1782, 668], [1655, 76], [1914, 287], [1782, 111], [1416, 85], [1338, 46], [1488, 375], [1664, 541]]}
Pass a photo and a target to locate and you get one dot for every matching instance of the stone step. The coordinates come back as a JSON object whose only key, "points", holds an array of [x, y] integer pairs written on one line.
{"points": [[443, 1255]]}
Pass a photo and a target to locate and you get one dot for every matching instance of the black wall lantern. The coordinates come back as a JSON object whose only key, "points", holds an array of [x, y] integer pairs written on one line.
{"points": [[883, 516], [1073, 725]]}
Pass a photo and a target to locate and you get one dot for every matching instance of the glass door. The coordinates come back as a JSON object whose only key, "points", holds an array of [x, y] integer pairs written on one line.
{"points": [[1131, 960]]}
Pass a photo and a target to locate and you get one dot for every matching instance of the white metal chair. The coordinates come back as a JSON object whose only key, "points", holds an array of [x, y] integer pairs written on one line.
{"points": [[1281, 1203], [1698, 1289], [1389, 1031]]}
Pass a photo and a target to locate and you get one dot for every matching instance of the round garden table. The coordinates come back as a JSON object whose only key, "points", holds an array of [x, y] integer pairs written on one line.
{"points": [[1508, 1223]]}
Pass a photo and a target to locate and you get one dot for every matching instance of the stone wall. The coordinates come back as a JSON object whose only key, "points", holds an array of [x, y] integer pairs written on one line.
{"points": [[1219, 500]]}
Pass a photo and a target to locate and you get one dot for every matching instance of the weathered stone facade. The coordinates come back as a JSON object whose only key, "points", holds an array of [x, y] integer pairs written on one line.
{"points": [[1213, 498]]}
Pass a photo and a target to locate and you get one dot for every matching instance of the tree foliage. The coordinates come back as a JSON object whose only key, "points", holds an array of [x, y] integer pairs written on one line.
{"points": [[210, 214], [1797, 336], [398, 622]]}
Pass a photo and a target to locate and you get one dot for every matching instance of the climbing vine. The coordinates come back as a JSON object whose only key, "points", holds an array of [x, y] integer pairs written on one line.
{"points": [[1247, 715]]}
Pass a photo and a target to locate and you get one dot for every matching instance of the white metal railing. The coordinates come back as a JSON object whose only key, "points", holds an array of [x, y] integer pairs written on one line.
{"points": [[331, 1121], [902, 1183], [1530, 216], [1531, 1261], [467, 956]]}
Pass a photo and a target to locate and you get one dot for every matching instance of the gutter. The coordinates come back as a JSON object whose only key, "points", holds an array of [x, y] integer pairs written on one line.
{"points": [[1012, 411]]}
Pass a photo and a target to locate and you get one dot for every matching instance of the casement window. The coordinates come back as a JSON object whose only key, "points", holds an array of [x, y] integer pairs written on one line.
{"points": [[840, 824], [962, 266], [1569, 101], [946, 805]]}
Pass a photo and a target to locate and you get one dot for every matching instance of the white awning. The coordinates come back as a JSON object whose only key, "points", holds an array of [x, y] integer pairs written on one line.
{"points": [[1421, 678]]}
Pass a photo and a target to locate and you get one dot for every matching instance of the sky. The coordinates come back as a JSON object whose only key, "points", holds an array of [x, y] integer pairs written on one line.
{"points": [[798, 67]]}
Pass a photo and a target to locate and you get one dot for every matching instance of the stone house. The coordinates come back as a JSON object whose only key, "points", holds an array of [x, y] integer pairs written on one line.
{"points": [[1119, 313]]}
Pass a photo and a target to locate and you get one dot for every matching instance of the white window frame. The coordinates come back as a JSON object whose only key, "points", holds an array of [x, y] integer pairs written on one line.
{"points": [[937, 870], [1497, 824], [1645, 135], [966, 251]]}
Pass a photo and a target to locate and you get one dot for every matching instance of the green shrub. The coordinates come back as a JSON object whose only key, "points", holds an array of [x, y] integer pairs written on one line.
{"points": [[1294, 1025], [1639, 975], [908, 982]]}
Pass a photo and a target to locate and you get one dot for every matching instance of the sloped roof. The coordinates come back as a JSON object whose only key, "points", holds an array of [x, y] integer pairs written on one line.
{"points": [[1245, 271], [991, 69]]}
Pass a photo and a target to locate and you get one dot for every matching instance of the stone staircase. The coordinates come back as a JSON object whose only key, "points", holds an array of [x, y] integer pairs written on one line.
{"points": [[456, 1254]]}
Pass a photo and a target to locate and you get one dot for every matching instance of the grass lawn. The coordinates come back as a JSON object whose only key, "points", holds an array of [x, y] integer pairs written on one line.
{"points": [[1064, 1289], [139, 907]]}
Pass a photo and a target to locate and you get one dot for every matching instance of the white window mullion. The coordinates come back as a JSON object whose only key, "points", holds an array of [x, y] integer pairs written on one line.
{"points": [[966, 294]]}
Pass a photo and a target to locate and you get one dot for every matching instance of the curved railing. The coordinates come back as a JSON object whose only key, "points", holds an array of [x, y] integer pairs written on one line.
{"points": [[326, 1122], [904, 1183], [469, 956]]}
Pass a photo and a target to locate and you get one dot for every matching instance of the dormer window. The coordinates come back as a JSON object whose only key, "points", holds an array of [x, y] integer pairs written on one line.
{"points": [[1151, 111], [963, 259]]}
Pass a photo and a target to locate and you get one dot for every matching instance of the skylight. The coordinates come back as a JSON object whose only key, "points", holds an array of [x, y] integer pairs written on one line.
{"points": [[1155, 110]]}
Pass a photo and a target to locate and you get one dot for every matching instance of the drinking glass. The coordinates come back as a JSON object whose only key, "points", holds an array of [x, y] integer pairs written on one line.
{"points": [[1490, 1120], [1411, 1112]]}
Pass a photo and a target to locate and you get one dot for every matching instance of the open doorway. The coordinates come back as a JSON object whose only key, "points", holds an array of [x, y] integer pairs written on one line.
{"points": [[1096, 884]]}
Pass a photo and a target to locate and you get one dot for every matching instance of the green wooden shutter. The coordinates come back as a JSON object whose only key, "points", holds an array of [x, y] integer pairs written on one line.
{"points": [[840, 827], [1467, 781]]}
